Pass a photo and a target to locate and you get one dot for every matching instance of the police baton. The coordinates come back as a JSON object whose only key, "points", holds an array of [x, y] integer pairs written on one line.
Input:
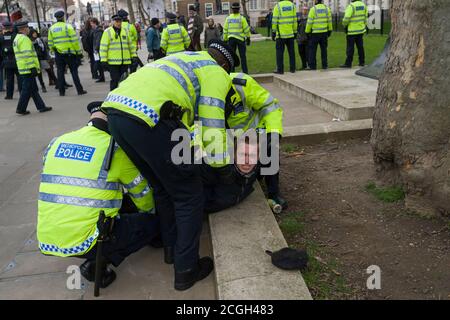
{"points": [[99, 262]]}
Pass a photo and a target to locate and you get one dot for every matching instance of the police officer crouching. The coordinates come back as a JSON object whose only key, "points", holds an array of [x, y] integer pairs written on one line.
{"points": [[85, 172], [8, 59], [116, 51], [63, 41]]}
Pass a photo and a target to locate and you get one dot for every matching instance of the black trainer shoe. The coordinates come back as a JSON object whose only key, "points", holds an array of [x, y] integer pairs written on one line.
{"points": [[169, 253], [82, 92], [68, 85], [87, 270], [45, 109], [8, 98], [346, 66], [23, 113], [157, 242], [100, 80], [278, 72], [186, 279]]}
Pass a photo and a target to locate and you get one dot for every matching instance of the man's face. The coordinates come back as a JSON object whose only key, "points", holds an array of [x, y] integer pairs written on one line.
{"points": [[158, 25], [117, 23], [93, 25], [24, 30], [192, 13], [246, 157]]}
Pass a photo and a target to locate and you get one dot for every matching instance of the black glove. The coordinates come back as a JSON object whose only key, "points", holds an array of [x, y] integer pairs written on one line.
{"points": [[34, 72], [150, 56], [227, 174], [329, 33], [247, 41], [274, 35], [135, 60]]}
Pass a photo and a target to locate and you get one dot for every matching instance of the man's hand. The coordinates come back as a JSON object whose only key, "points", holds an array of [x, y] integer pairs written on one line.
{"points": [[274, 35], [247, 41], [34, 72]]}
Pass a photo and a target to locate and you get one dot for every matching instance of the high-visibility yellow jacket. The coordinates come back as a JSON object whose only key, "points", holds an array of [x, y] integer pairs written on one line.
{"points": [[131, 29], [26, 58], [174, 39], [63, 39], [75, 186], [236, 26], [355, 18], [284, 20], [191, 80], [319, 19], [253, 107], [116, 49]]}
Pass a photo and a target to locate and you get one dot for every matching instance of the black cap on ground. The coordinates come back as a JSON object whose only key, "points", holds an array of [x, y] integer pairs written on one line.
{"points": [[226, 51], [289, 259], [95, 106], [59, 14], [122, 13]]}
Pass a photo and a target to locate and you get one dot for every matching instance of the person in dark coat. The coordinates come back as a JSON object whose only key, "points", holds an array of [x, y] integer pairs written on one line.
{"points": [[302, 37], [269, 23], [87, 41], [8, 59], [97, 32]]}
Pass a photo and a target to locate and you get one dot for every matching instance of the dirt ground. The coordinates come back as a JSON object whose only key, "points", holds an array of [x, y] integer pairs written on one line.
{"points": [[346, 229]]}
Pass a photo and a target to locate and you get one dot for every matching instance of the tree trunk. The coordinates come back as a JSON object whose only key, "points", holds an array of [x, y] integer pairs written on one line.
{"points": [[244, 8], [411, 134], [131, 11], [144, 14]]}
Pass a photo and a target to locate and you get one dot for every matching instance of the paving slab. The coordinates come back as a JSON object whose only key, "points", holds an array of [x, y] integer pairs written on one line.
{"points": [[240, 237]]}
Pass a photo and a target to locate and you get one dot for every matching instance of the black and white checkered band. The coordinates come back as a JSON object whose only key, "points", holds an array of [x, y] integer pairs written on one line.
{"points": [[224, 51], [96, 109]]}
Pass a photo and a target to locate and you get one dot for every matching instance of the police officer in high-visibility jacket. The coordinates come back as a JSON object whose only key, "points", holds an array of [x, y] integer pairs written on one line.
{"points": [[319, 27], [77, 183], [29, 67], [237, 32], [284, 31], [116, 51], [355, 23], [7, 59], [164, 98], [174, 37], [254, 108], [64, 43], [131, 29]]}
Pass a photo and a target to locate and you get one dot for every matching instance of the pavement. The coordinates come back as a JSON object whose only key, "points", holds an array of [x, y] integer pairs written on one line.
{"points": [[24, 272]]}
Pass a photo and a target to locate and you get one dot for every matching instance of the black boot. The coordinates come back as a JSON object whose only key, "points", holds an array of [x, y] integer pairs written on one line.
{"points": [[169, 252], [186, 279], [87, 270]]}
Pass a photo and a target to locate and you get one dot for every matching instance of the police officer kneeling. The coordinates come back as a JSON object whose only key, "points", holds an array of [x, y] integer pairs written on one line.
{"points": [[76, 186]]}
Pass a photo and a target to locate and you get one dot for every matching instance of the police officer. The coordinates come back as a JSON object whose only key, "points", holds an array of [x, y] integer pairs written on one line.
{"points": [[131, 29], [145, 110], [29, 67], [254, 108], [237, 32], [63, 41], [174, 37], [8, 59], [284, 31], [85, 172], [319, 27], [116, 51], [355, 23]]}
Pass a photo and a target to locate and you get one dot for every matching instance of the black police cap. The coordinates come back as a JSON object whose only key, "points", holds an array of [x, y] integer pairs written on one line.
{"points": [[235, 5], [95, 106], [116, 17], [289, 259], [171, 16], [226, 51], [59, 14], [122, 13], [21, 24]]}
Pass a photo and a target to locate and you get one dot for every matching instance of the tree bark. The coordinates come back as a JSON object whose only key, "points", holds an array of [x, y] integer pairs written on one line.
{"points": [[411, 134], [131, 11]]}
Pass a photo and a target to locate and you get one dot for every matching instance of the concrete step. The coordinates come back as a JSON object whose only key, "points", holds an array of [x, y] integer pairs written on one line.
{"points": [[341, 93], [240, 236]]}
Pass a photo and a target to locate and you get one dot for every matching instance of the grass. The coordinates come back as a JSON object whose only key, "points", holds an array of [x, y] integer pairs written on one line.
{"points": [[288, 147], [261, 55], [386, 194], [321, 276]]}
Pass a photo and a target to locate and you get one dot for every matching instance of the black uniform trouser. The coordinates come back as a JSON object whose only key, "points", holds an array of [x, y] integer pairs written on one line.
{"points": [[10, 72], [279, 46], [177, 189], [116, 72], [70, 60], [303, 52], [99, 70], [130, 233], [318, 39], [351, 41], [240, 45], [29, 90]]}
